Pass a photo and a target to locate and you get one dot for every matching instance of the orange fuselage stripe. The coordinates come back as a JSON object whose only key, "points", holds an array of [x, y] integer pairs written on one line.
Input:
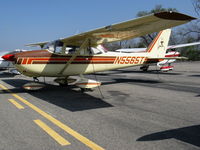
{"points": [[149, 49], [64, 60]]}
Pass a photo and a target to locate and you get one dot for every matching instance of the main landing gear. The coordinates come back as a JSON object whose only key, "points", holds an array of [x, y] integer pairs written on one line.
{"points": [[84, 84], [62, 81]]}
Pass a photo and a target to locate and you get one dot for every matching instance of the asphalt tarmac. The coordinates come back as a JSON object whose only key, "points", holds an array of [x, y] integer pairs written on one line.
{"points": [[132, 110]]}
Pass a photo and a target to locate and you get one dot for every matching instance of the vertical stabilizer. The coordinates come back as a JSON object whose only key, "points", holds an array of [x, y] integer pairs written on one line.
{"points": [[158, 47]]}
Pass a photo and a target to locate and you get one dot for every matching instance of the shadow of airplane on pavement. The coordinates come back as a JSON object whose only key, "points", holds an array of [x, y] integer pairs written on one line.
{"points": [[155, 84], [64, 97], [189, 135], [195, 75], [6, 75], [119, 71]]}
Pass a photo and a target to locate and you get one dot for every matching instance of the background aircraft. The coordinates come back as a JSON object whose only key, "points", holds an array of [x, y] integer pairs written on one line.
{"points": [[170, 53]]}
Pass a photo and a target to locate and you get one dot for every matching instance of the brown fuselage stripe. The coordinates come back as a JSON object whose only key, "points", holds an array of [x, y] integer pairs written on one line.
{"points": [[60, 60], [90, 62], [83, 60]]}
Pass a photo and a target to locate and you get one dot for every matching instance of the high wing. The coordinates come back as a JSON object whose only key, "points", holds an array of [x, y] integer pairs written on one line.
{"points": [[127, 30]]}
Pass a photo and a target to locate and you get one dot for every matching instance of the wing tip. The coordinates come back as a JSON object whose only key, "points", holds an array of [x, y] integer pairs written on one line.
{"points": [[174, 16]]}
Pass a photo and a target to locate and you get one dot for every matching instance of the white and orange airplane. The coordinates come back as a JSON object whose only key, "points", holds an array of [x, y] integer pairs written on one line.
{"points": [[75, 55]]}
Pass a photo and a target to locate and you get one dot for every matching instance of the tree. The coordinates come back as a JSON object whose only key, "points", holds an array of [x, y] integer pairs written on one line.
{"points": [[158, 8], [190, 33], [196, 4]]}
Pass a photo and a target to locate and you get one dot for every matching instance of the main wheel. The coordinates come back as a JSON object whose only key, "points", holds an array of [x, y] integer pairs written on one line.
{"points": [[63, 84]]}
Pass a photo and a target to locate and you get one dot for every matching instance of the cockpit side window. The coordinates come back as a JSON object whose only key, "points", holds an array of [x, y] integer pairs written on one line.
{"points": [[58, 46], [70, 50]]}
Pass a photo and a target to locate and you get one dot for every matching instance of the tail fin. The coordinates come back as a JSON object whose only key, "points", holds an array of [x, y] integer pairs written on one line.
{"points": [[158, 47]]}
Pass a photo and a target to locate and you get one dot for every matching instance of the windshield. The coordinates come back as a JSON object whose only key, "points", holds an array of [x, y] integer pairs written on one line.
{"points": [[54, 46]]}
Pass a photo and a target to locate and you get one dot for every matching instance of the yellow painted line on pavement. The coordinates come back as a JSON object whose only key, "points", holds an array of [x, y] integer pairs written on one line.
{"points": [[66, 128], [52, 133], [16, 104]]}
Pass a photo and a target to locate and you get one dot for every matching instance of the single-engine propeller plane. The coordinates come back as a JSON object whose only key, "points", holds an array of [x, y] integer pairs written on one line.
{"points": [[77, 55]]}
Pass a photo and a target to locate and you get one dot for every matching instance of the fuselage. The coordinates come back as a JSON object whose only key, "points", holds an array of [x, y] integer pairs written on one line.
{"points": [[45, 63]]}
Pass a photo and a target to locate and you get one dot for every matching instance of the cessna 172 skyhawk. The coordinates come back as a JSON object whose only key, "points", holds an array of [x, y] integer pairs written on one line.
{"points": [[75, 56]]}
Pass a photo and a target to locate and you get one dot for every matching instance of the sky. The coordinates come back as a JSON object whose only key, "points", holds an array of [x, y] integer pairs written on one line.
{"points": [[29, 21]]}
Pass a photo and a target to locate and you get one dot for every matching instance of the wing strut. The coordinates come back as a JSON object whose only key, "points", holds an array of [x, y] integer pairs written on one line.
{"points": [[84, 45]]}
